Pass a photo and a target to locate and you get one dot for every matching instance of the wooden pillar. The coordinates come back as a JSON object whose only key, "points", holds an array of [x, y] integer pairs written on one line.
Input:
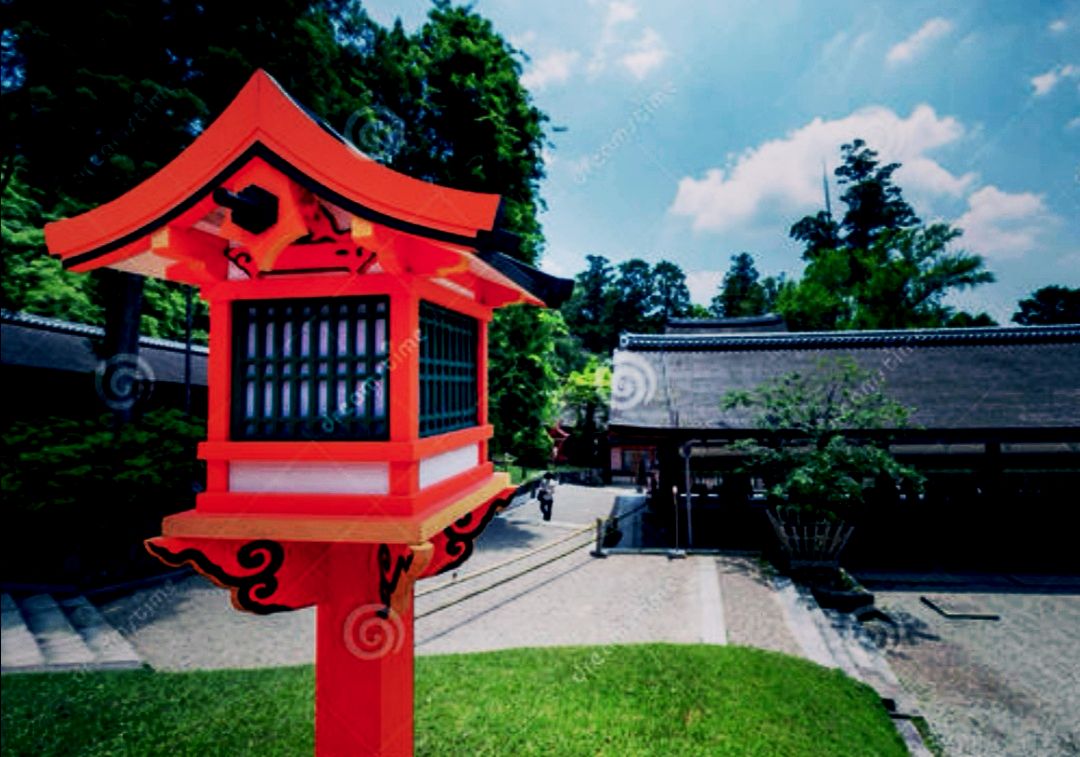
{"points": [[364, 660]]}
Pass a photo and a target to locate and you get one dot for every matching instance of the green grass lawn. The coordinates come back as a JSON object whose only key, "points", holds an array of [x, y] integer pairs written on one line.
{"points": [[623, 700]]}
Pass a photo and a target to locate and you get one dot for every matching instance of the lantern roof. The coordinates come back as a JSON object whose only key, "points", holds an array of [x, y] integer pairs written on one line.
{"points": [[269, 189]]}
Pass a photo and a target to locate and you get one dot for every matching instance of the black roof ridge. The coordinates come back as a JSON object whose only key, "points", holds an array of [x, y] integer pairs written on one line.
{"points": [[877, 338], [47, 323], [735, 320]]}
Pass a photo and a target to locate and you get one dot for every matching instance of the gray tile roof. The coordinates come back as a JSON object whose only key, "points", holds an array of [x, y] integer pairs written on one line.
{"points": [[1027, 377], [38, 342]]}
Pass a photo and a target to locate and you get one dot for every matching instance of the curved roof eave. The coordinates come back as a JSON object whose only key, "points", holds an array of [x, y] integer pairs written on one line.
{"points": [[264, 119]]}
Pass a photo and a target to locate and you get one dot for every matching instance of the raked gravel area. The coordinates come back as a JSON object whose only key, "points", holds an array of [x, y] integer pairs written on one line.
{"points": [[1008, 687], [575, 599]]}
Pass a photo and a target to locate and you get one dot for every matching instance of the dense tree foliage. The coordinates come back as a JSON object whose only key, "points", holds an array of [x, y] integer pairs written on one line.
{"points": [[588, 309], [142, 79], [742, 293], [585, 397], [819, 470], [671, 296], [632, 297], [1049, 305], [57, 475], [523, 392], [879, 266]]}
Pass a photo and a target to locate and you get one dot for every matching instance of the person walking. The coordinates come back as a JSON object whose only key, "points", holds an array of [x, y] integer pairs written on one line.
{"points": [[546, 494]]}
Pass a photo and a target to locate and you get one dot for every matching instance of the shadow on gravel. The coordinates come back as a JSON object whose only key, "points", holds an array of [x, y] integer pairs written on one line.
{"points": [[983, 583]]}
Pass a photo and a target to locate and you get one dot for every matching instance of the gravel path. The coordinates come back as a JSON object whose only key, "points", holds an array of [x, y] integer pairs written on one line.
{"points": [[754, 617], [574, 600], [1004, 687]]}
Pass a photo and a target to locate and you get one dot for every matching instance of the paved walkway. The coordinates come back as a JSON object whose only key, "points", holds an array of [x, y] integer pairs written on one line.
{"points": [[573, 600]]}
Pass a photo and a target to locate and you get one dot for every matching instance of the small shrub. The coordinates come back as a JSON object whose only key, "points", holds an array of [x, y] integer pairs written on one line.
{"points": [[80, 495]]}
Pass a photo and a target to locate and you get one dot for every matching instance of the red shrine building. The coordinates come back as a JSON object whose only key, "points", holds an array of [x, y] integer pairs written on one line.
{"points": [[348, 428]]}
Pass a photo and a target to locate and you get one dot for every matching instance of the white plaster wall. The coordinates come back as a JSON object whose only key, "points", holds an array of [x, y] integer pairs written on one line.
{"points": [[309, 477], [446, 464]]}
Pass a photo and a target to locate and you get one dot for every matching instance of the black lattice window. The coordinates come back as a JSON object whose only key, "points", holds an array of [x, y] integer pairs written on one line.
{"points": [[448, 368], [310, 369]]}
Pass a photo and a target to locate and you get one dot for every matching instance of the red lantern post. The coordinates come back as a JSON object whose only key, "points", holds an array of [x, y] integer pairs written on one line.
{"points": [[347, 430]]}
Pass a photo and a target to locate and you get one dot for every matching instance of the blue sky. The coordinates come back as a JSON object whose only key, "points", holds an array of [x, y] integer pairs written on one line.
{"points": [[698, 130]]}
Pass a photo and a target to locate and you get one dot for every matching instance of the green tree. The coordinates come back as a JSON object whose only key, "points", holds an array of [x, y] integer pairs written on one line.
{"points": [[524, 389], [588, 310], [29, 280], [964, 320], [879, 267], [633, 298], [670, 293], [874, 203], [140, 88], [443, 104], [468, 121], [741, 293], [587, 393], [814, 463], [1049, 305]]}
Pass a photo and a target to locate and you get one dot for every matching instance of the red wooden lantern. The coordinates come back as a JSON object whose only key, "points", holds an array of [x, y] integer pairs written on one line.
{"points": [[348, 423]]}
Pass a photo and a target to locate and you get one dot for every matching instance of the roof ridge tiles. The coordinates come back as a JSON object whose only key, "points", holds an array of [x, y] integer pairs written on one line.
{"points": [[809, 339], [31, 320]]}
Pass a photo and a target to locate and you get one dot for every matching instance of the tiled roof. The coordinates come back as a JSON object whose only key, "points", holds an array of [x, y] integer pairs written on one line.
{"points": [[852, 339], [36, 341], [1024, 377]]}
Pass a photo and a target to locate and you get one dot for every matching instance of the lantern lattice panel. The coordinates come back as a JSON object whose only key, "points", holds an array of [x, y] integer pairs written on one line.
{"points": [[448, 370], [310, 369]]}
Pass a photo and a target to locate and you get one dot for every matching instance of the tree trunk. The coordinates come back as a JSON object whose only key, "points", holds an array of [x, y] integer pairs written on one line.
{"points": [[123, 379]]}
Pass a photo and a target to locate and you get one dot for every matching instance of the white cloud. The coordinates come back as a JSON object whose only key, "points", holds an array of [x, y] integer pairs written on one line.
{"points": [[919, 42], [1057, 26], [614, 46], [785, 174], [1001, 224], [550, 265], [645, 54], [553, 68], [1073, 124], [1045, 83], [618, 12], [548, 157], [842, 42], [521, 41], [703, 285]]}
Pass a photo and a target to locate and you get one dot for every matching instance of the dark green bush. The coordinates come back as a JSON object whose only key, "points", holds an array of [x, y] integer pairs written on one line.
{"points": [[80, 495]]}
